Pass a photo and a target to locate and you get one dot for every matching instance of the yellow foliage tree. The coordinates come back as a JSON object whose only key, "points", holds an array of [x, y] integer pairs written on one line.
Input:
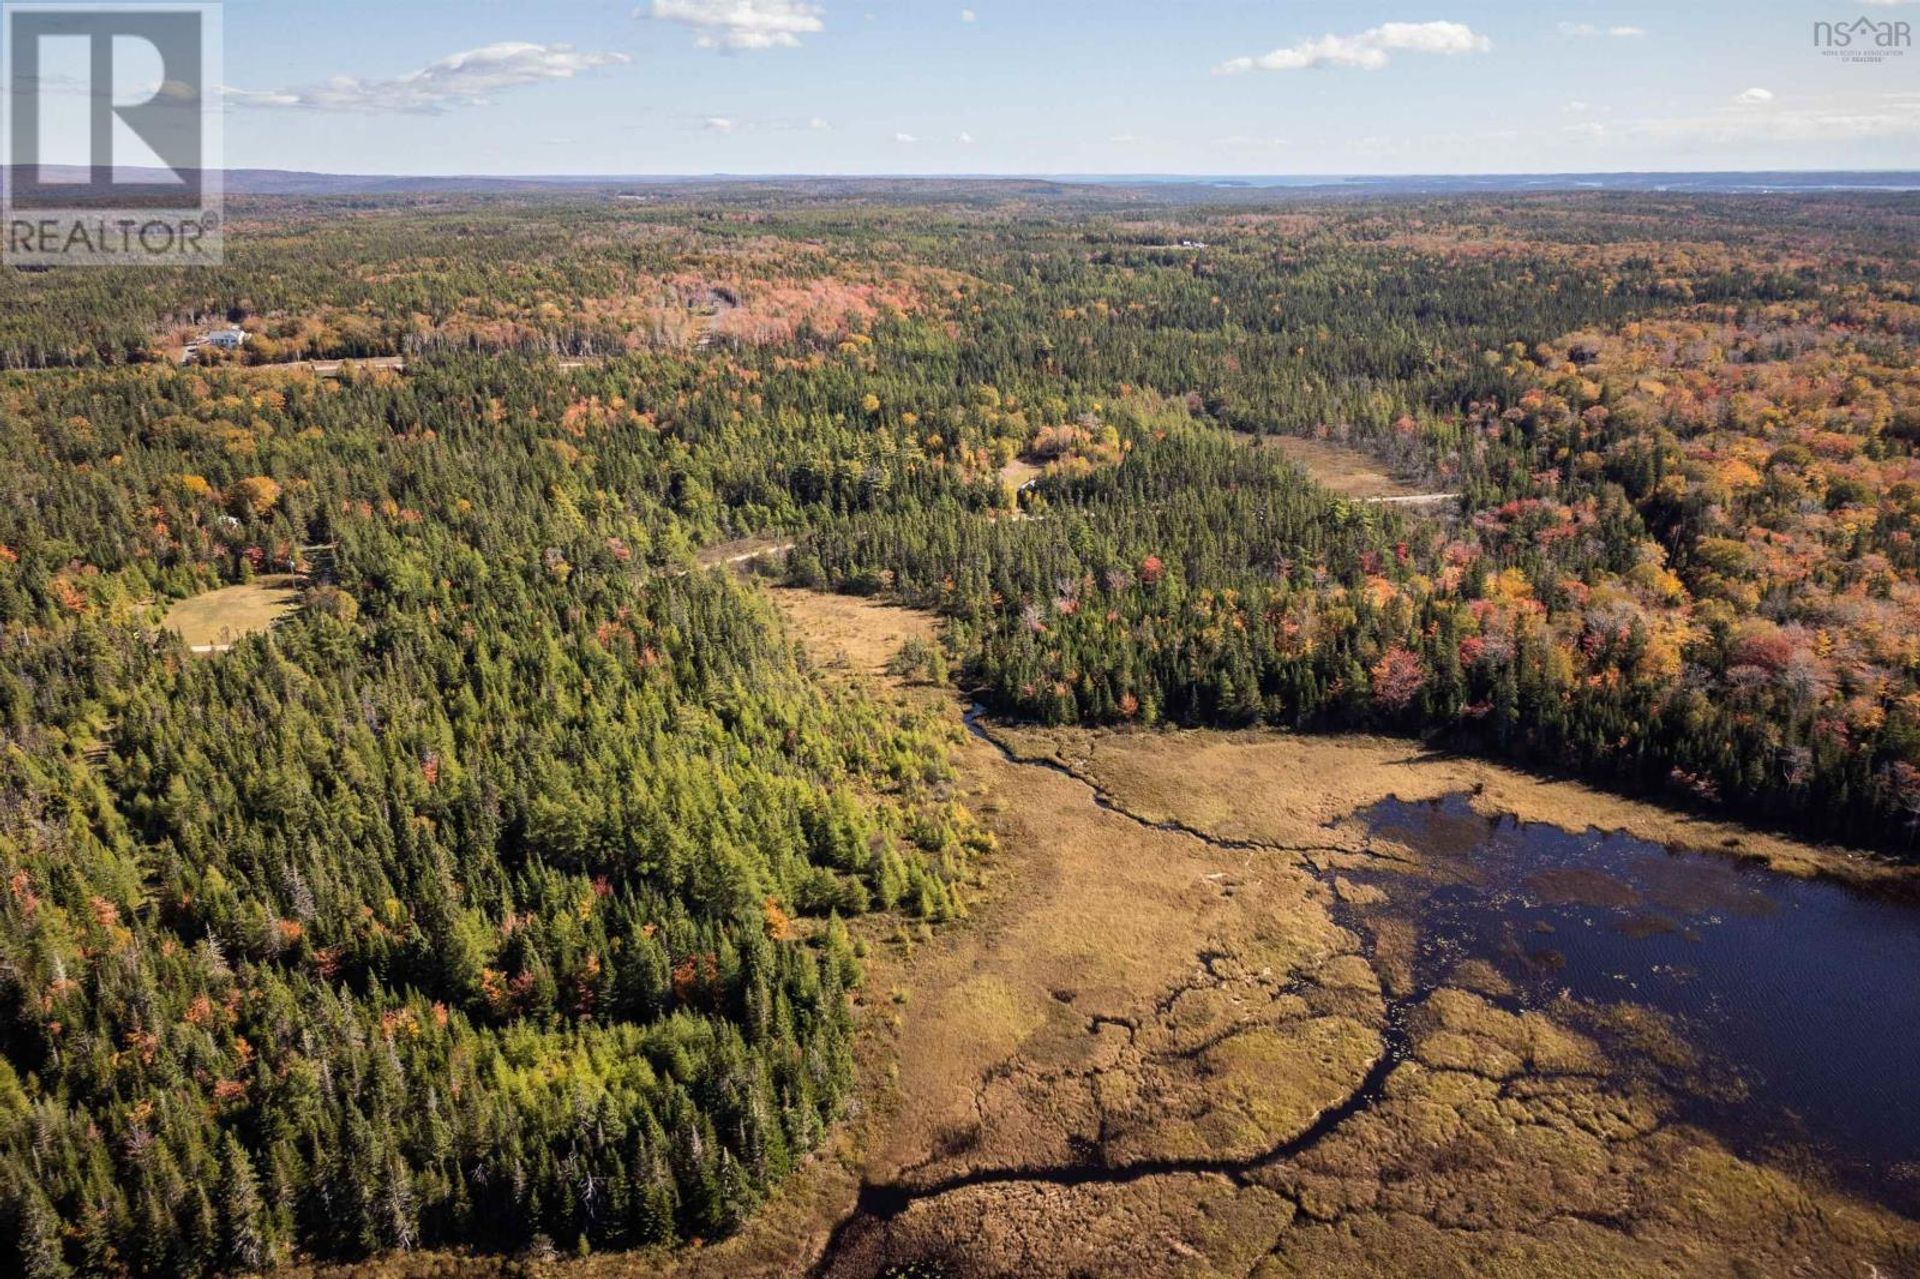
{"points": [[255, 495]]}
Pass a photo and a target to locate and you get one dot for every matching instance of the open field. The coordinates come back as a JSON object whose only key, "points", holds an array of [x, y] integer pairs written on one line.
{"points": [[851, 633], [210, 622], [1345, 470], [1021, 472]]}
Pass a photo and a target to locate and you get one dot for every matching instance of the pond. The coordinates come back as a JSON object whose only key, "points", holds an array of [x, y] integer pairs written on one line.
{"points": [[1802, 997]]}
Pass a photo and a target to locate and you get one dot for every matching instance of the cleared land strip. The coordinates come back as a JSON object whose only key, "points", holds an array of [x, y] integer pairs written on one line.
{"points": [[1413, 499], [391, 363], [319, 368], [739, 551]]}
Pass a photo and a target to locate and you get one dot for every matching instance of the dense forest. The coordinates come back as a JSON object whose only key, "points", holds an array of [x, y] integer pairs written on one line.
{"points": [[502, 890], [498, 892]]}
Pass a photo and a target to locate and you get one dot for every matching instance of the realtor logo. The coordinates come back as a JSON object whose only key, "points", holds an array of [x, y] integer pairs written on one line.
{"points": [[1863, 39], [112, 134]]}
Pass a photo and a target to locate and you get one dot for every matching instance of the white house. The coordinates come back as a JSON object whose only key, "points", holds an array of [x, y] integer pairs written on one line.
{"points": [[229, 339]]}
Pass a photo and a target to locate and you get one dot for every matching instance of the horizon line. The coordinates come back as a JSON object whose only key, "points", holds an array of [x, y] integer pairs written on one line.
{"points": [[1028, 175]]}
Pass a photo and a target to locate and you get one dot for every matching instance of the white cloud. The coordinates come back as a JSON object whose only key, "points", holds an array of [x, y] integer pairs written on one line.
{"points": [[968, 15], [906, 139], [1586, 31], [1753, 97], [818, 123], [1369, 50], [737, 25], [719, 124], [465, 79], [966, 139]]}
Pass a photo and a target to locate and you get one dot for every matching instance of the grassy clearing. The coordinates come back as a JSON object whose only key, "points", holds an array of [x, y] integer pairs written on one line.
{"points": [[214, 620], [1343, 470], [1020, 472], [847, 633]]}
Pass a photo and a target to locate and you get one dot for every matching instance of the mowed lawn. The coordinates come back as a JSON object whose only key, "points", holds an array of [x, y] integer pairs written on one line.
{"points": [[212, 621]]}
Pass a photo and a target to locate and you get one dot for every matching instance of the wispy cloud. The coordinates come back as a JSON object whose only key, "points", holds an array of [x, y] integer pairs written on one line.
{"points": [[1249, 142], [740, 25], [1587, 30], [759, 126], [1369, 50], [968, 15], [1889, 116], [905, 139], [465, 79]]}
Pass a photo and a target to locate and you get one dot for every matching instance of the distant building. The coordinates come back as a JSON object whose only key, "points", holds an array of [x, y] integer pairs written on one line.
{"points": [[229, 339]]}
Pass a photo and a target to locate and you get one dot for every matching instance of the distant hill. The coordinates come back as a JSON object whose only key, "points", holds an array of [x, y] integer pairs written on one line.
{"points": [[288, 182]]}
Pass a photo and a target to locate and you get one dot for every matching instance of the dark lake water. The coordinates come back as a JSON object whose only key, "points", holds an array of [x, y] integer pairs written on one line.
{"points": [[1805, 993]]}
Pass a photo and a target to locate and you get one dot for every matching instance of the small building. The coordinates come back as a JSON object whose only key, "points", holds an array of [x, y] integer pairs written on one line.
{"points": [[228, 339]]}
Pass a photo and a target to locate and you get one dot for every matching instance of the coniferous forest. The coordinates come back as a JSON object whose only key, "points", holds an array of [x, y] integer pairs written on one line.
{"points": [[509, 885]]}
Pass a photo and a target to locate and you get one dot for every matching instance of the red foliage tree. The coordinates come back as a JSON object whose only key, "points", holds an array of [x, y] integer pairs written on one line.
{"points": [[1397, 679]]}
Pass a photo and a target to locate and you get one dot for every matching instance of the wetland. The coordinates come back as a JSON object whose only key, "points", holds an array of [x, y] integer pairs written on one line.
{"points": [[1252, 1004]]}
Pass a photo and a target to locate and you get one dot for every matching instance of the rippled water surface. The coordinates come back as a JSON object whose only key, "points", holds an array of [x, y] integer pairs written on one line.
{"points": [[1805, 995]]}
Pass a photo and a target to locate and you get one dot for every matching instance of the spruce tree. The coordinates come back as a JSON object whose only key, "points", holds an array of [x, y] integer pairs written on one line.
{"points": [[40, 1247], [243, 1238]]}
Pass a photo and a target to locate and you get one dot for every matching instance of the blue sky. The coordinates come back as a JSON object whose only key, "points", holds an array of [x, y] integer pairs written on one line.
{"points": [[1058, 86]]}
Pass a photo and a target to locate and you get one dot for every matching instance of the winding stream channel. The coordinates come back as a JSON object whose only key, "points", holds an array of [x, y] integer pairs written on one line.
{"points": [[878, 1203]]}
